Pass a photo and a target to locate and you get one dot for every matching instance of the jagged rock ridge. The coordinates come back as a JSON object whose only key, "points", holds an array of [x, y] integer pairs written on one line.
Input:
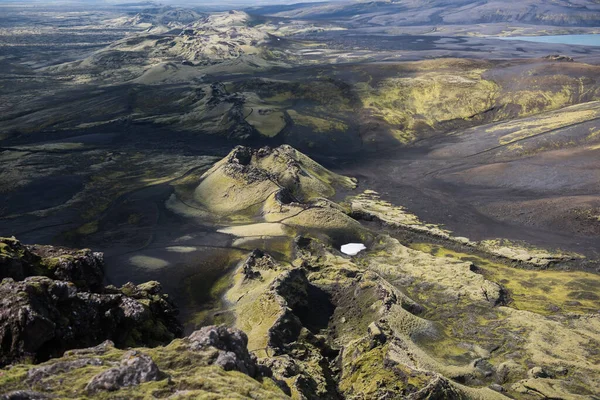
{"points": [[42, 316]]}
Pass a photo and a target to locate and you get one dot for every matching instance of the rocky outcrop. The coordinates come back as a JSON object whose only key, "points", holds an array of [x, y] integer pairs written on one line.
{"points": [[230, 348], [40, 318], [135, 369], [291, 289], [213, 362], [84, 268], [16, 261], [559, 57], [24, 395], [370, 367], [257, 261], [68, 308]]}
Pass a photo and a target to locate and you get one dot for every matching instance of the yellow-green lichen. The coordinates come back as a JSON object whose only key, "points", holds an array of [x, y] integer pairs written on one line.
{"points": [[545, 292]]}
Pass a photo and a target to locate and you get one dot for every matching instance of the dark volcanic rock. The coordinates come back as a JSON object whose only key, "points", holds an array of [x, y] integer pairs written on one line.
{"points": [[257, 261], [292, 287], [559, 57], [52, 299], [16, 261], [82, 267], [37, 374], [40, 318], [230, 345], [25, 395], [135, 368]]}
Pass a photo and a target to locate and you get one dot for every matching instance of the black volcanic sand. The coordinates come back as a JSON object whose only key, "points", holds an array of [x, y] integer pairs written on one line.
{"points": [[534, 199], [186, 256]]}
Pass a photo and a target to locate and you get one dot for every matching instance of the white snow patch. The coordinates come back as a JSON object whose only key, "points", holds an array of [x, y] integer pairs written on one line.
{"points": [[353, 249]]}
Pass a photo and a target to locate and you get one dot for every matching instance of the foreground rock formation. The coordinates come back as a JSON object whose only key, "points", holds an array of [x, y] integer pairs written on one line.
{"points": [[437, 318], [211, 363], [52, 300]]}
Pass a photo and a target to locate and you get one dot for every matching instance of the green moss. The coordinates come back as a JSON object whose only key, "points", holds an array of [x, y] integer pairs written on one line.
{"points": [[533, 96], [148, 287], [367, 375], [280, 97], [516, 131], [225, 194], [189, 373], [205, 290], [256, 319], [317, 124], [152, 333], [47, 265], [88, 228], [365, 299], [220, 286], [418, 102], [545, 292], [12, 248], [4, 249], [279, 247], [12, 378]]}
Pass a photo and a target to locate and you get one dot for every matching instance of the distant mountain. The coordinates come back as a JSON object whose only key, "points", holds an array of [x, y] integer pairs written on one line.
{"points": [[583, 13], [164, 16]]}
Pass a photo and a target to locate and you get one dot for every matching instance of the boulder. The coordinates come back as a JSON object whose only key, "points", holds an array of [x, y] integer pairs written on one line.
{"points": [[135, 368], [537, 372], [230, 345], [37, 374], [16, 261]]}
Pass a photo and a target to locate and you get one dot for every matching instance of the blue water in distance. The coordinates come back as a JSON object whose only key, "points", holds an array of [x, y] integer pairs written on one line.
{"points": [[584, 40]]}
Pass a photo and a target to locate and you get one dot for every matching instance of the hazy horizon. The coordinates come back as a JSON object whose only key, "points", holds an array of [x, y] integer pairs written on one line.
{"points": [[99, 3]]}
